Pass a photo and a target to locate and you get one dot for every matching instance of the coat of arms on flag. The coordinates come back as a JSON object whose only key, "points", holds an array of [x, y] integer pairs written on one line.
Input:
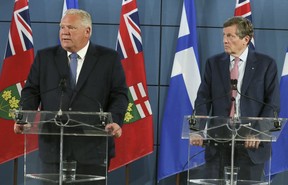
{"points": [[9, 100], [139, 105]]}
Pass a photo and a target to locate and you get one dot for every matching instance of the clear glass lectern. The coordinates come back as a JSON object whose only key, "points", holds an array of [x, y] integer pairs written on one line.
{"points": [[228, 134], [64, 137]]}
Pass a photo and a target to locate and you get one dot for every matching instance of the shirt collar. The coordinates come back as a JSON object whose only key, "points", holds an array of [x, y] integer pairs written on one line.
{"points": [[243, 56], [82, 52]]}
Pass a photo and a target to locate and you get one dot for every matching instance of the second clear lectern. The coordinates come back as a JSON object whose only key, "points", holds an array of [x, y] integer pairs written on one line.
{"points": [[65, 140], [227, 138]]}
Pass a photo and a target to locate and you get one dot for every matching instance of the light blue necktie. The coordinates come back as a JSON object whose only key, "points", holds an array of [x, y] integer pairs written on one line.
{"points": [[73, 68]]}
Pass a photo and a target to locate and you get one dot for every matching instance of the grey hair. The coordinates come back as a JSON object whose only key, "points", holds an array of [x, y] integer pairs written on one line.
{"points": [[85, 17]]}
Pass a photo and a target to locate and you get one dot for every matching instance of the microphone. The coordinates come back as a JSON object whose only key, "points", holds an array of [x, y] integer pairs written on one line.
{"points": [[63, 86], [19, 115], [233, 88], [277, 123], [234, 84]]}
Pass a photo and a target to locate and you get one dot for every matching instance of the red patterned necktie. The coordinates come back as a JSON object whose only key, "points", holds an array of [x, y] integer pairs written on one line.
{"points": [[234, 73]]}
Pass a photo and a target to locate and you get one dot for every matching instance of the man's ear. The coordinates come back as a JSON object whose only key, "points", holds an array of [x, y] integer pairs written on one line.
{"points": [[247, 39], [88, 31]]}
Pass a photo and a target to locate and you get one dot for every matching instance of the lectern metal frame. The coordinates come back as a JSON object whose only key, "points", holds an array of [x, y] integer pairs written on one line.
{"points": [[88, 124], [240, 129]]}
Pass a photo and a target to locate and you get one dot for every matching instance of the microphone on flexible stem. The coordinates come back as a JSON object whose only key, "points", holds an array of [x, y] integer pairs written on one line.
{"points": [[234, 84], [277, 123], [193, 120], [233, 100], [63, 86], [102, 116], [19, 115]]}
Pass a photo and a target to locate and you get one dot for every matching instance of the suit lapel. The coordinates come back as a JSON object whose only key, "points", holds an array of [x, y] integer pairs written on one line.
{"points": [[225, 74], [61, 62], [88, 65], [249, 71]]}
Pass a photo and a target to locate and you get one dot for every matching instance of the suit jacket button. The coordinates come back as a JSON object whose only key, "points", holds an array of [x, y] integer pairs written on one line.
{"points": [[70, 108]]}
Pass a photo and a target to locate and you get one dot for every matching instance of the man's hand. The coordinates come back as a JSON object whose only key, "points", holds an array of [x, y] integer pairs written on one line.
{"points": [[19, 129], [196, 140], [114, 129], [252, 142]]}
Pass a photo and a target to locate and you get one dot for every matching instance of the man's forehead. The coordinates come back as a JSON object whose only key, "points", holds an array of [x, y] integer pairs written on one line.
{"points": [[230, 29]]}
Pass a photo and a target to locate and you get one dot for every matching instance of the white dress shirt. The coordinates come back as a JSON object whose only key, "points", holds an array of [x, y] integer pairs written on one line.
{"points": [[241, 66], [81, 57]]}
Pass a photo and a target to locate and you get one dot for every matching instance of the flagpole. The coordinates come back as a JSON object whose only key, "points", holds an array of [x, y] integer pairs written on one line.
{"points": [[178, 179], [15, 171], [127, 174]]}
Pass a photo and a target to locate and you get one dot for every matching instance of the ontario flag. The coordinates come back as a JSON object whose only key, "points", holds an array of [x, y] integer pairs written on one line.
{"points": [[243, 9], [18, 58], [137, 138]]}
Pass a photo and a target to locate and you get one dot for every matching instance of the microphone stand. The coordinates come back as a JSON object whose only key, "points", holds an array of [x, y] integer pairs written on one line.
{"points": [[277, 122], [234, 118], [62, 85], [233, 135]]}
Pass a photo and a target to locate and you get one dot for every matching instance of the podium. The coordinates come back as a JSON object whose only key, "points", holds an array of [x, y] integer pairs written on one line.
{"points": [[226, 138], [77, 138]]}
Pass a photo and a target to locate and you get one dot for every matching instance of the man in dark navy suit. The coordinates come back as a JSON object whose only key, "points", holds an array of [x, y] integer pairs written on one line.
{"points": [[99, 83], [257, 81]]}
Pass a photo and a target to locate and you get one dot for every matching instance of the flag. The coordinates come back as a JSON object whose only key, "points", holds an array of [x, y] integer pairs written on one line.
{"points": [[182, 92], [17, 61], [279, 160], [137, 138], [69, 4], [243, 9]]}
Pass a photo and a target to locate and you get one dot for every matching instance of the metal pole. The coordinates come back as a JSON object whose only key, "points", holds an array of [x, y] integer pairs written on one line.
{"points": [[15, 171], [127, 174]]}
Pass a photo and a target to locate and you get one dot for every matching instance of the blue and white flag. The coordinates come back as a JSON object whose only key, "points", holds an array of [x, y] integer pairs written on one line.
{"points": [[279, 161], [69, 4], [184, 83]]}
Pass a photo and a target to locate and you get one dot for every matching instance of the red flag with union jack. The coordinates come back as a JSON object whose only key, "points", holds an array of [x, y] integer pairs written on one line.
{"points": [[243, 9], [137, 138], [16, 65]]}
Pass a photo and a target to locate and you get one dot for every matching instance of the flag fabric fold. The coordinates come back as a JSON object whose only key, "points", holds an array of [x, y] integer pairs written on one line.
{"points": [[137, 138], [182, 92], [18, 58], [279, 160]]}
